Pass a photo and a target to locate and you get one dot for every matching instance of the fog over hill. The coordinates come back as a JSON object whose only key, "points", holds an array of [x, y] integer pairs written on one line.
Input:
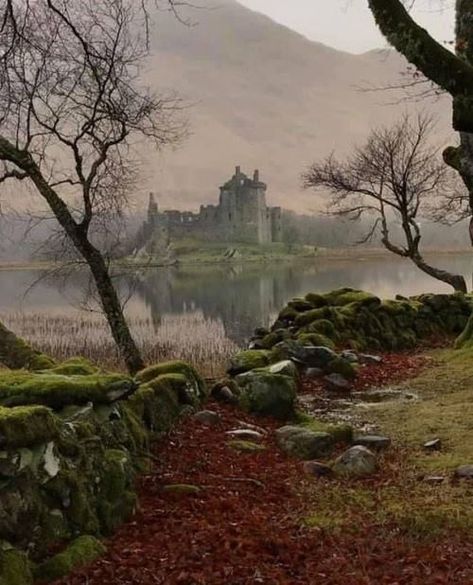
{"points": [[262, 96]]}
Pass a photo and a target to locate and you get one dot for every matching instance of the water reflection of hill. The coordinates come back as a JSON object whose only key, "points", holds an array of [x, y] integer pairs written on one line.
{"points": [[244, 297]]}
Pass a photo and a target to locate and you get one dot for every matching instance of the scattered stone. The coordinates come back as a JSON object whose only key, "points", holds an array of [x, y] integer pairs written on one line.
{"points": [[434, 445], [317, 469], [314, 372], [376, 442], [245, 435], [182, 489], [370, 359], [267, 394], [207, 417], [358, 461], [245, 446], [434, 479], [303, 443], [337, 383], [350, 356], [464, 472], [253, 427]]}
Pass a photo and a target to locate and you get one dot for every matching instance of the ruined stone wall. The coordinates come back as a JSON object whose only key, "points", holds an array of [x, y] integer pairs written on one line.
{"points": [[72, 439]]}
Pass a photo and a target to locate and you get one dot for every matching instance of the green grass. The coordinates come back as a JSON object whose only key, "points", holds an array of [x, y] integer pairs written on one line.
{"points": [[190, 251], [398, 499], [444, 410]]}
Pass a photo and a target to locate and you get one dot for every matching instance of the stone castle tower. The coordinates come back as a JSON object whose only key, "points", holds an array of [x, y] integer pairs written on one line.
{"points": [[241, 215], [242, 211]]}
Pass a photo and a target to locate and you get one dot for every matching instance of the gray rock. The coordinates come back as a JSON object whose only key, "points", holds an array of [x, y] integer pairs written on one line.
{"points": [[303, 443], [245, 435], [246, 425], [337, 383], [207, 417], [376, 442], [314, 372], [464, 472], [434, 445], [286, 368], [317, 469], [358, 461], [306, 355], [224, 394], [350, 356], [267, 394]]}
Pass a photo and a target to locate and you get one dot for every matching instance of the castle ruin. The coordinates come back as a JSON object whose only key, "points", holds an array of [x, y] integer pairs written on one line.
{"points": [[240, 216]]}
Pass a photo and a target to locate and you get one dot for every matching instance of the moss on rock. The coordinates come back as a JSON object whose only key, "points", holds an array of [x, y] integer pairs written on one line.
{"points": [[26, 426], [15, 568], [175, 367], [244, 361], [316, 339], [21, 388], [267, 394], [80, 553], [15, 353], [77, 366]]}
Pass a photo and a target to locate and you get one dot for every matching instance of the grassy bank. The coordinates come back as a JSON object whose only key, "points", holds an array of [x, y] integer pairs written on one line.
{"points": [[403, 500]]}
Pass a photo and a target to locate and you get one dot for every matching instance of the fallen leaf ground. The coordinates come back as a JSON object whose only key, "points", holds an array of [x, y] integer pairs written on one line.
{"points": [[260, 520]]}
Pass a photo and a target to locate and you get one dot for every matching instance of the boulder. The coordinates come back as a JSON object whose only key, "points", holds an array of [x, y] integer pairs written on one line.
{"points": [[307, 355], [358, 461], [247, 360], [303, 443], [267, 394]]}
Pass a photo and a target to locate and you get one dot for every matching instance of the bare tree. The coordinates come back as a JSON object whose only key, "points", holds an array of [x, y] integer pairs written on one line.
{"points": [[72, 110], [393, 178]]}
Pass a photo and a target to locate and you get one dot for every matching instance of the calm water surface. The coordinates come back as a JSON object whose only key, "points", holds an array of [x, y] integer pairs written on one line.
{"points": [[237, 297]]}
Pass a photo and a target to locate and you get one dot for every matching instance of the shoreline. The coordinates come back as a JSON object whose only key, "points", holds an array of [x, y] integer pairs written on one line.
{"points": [[335, 254]]}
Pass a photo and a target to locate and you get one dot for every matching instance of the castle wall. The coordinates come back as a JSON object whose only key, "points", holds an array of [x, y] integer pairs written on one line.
{"points": [[240, 216]]}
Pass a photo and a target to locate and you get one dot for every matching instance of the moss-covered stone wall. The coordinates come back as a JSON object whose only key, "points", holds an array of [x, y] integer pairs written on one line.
{"points": [[72, 439], [359, 320]]}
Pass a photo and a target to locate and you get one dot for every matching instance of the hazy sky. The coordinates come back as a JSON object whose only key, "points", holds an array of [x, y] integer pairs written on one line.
{"points": [[347, 24]]}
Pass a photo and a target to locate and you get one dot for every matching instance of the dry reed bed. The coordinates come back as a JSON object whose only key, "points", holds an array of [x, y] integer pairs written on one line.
{"points": [[67, 333]]}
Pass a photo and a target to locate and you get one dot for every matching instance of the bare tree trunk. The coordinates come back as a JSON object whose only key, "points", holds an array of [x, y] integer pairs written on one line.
{"points": [[112, 308], [79, 235], [455, 280]]}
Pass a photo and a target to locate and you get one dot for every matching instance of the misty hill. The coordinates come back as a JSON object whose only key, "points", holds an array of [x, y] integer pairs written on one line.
{"points": [[261, 95]]}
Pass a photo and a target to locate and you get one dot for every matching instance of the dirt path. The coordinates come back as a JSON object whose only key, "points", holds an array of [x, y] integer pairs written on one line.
{"points": [[246, 524]]}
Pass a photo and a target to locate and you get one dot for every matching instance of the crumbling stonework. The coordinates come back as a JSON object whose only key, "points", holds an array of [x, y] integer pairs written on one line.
{"points": [[240, 216]]}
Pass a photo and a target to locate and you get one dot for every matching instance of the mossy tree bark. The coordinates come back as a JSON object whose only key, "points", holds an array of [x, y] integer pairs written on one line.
{"points": [[452, 72], [79, 236], [15, 353]]}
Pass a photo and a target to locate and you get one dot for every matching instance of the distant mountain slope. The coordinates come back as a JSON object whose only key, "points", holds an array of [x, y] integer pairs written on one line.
{"points": [[262, 96]]}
